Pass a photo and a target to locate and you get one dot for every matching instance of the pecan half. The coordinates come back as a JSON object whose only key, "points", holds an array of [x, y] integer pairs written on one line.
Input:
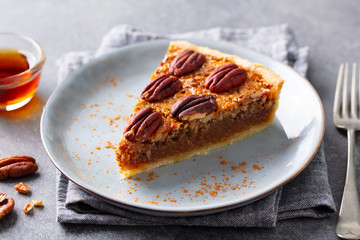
{"points": [[193, 107], [6, 206], [161, 87], [142, 125], [187, 61], [17, 166], [225, 77]]}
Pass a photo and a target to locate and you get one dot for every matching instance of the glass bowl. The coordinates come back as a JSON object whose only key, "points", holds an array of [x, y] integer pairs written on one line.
{"points": [[21, 63]]}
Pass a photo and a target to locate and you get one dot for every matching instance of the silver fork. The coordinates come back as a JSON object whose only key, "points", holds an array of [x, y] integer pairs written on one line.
{"points": [[348, 225]]}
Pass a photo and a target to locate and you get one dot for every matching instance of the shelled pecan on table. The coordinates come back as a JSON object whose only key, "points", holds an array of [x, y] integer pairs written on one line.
{"points": [[17, 166]]}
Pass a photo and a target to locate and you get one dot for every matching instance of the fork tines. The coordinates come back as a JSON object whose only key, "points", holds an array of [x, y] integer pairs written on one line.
{"points": [[341, 105]]}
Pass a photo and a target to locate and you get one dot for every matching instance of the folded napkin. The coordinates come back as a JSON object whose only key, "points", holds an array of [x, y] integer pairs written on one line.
{"points": [[308, 195]]}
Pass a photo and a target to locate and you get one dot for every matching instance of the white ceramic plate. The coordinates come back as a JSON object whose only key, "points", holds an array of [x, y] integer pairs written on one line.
{"points": [[87, 113]]}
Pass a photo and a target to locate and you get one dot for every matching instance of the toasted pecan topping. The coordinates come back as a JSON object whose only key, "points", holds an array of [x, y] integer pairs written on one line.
{"points": [[142, 125], [161, 87], [225, 77], [186, 62], [193, 107]]}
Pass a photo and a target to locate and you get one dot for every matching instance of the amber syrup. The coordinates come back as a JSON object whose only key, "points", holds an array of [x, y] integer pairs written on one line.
{"points": [[16, 83]]}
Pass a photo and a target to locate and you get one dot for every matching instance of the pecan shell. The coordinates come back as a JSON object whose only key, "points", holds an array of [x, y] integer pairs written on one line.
{"points": [[225, 77], [193, 107], [161, 87], [142, 125], [6, 206], [17, 166], [186, 62]]}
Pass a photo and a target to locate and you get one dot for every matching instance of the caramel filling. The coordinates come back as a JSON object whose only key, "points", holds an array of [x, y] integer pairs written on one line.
{"points": [[196, 137]]}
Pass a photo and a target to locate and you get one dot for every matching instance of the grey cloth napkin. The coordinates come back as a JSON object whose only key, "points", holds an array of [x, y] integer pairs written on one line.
{"points": [[308, 195]]}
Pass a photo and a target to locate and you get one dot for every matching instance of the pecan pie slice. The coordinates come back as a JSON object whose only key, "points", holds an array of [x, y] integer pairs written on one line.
{"points": [[198, 100]]}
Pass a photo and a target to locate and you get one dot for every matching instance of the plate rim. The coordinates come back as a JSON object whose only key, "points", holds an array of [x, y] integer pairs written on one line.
{"points": [[175, 213]]}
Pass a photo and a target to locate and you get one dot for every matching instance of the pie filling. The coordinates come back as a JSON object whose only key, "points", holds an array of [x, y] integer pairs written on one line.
{"points": [[196, 140], [198, 100]]}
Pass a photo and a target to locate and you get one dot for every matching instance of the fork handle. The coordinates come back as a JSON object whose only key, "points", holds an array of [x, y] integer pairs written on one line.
{"points": [[348, 225]]}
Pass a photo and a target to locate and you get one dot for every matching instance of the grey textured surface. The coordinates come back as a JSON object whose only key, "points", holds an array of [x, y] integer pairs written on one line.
{"points": [[328, 27]]}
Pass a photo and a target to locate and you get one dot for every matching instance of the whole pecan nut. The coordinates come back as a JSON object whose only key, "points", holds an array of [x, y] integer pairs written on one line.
{"points": [[6, 206], [193, 107], [142, 125], [225, 77], [161, 87], [186, 62], [17, 166]]}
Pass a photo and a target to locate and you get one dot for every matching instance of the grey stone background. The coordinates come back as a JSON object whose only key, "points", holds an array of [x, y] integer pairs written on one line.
{"points": [[330, 28]]}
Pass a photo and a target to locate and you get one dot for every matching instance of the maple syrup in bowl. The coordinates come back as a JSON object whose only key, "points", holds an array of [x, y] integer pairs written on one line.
{"points": [[21, 62]]}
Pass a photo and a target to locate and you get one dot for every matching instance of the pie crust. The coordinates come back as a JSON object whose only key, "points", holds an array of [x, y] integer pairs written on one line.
{"points": [[241, 112]]}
